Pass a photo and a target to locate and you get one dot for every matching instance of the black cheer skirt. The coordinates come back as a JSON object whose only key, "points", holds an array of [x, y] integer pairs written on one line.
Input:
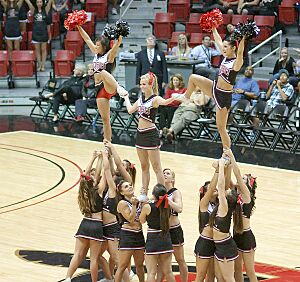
{"points": [[226, 249], [90, 228], [147, 139], [205, 247], [111, 231], [177, 238], [131, 240], [246, 241], [156, 244]]}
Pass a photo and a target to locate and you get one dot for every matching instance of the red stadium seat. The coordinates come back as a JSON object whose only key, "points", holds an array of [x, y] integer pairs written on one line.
{"points": [[193, 26], [22, 63], [4, 64], [181, 9], [227, 19], [263, 85], [55, 24], [1, 40], [74, 42], [164, 25], [240, 18], [90, 25], [99, 7], [265, 24], [64, 63], [216, 60], [196, 39], [23, 43], [287, 12], [174, 39]]}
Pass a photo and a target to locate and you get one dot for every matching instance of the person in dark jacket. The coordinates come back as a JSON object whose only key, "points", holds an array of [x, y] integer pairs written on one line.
{"points": [[152, 60]]}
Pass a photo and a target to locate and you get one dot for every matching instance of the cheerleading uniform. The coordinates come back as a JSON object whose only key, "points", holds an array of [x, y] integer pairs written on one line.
{"points": [[39, 28], [12, 26], [131, 239], [100, 62], [225, 248], [176, 231], [205, 246], [147, 138], [111, 230], [246, 241], [156, 244], [92, 228], [223, 97]]}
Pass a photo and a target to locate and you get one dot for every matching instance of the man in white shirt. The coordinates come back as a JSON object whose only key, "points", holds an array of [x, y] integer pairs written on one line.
{"points": [[205, 52]]}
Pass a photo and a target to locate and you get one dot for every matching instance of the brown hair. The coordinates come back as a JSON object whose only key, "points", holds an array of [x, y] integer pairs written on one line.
{"points": [[86, 196], [164, 213], [131, 170], [202, 191], [181, 82]]}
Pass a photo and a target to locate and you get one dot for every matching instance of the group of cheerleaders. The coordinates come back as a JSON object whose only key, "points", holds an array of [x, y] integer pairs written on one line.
{"points": [[114, 214]]}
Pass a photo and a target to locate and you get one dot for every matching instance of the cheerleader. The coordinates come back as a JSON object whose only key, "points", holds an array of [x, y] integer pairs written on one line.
{"points": [[245, 242], [90, 231], [221, 89], [132, 242], [147, 139], [220, 219], [176, 232], [12, 30], [205, 246], [158, 245], [104, 63], [40, 29]]}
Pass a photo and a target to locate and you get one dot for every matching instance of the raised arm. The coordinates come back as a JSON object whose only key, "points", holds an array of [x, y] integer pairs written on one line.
{"points": [[98, 168], [114, 50], [146, 210], [4, 4], [217, 38], [87, 39], [109, 179], [122, 170], [237, 173], [159, 101], [176, 203], [128, 214], [130, 108], [48, 6], [91, 162], [20, 3], [223, 206], [239, 56], [31, 7]]}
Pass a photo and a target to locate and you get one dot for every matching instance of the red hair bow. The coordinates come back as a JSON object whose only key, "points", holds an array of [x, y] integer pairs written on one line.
{"points": [[132, 165], [240, 200], [111, 43], [161, 199], [201, 190], [151, 74], [252, 180], [83, 175]]}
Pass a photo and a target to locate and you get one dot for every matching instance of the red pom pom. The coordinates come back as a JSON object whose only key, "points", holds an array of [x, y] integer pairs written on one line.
{"points": [[210, 20], [75, 18]]}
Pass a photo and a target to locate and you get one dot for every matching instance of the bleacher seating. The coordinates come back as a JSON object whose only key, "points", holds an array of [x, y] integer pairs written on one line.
{"points": [[64, 63], [287, 13], [99, 7], [75, 43], [193, 26], [180, 8], [164, 25]]}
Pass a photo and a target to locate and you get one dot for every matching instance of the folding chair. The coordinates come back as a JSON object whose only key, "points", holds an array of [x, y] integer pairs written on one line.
{"points": [[207, 124], [275, 119], [285, 136], [245, 128]]}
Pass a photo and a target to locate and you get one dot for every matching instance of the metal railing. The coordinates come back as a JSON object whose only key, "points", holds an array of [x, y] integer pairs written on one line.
{"points": [[126, 9], [279, 33]]}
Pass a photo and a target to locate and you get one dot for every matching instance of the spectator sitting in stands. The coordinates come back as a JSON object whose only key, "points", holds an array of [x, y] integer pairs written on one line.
{"points": [[186, 113], [176, 85], [61, 6], [246, 7], [205, 52], [89, 93], [246, 87], [69, 91], [182, 50], [226, 6], [280, 91], [285, 62]]}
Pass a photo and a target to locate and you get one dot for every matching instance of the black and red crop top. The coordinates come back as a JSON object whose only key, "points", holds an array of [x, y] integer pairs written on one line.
{"points": [[222, 224], [171, 196], [146, 109], [227, 72], [109, 204]]}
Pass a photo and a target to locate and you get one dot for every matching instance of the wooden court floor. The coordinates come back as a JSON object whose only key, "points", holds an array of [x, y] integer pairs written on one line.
{"points": [[39, 174]]}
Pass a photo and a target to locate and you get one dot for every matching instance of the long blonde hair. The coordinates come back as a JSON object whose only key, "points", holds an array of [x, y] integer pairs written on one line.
{"points": [[186, 49], [151, 79]]}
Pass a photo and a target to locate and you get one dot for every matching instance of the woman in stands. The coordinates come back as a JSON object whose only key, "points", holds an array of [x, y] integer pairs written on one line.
{"points": [[220, 219], [90, 232], [147, 140], [158, 245], [12, 29], [132, 242], [40, 30], [176, 85], [245, 242], [220, 90], [104, 63], [182, 50]]}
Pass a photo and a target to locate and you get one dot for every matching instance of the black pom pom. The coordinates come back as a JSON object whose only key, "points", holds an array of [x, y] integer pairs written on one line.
{"points": [[110, 32], [248, 30], [122, 28]]}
